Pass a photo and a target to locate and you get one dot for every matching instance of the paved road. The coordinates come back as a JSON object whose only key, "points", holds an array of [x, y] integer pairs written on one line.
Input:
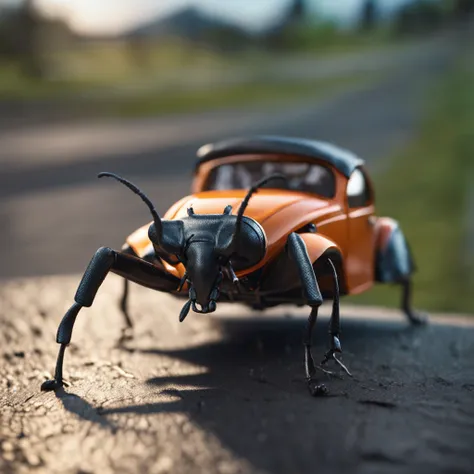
{"points": [[54, 214], [225, 394]]}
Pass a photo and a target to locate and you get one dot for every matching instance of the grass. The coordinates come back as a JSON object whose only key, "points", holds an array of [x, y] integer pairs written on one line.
{"points": [[90, 97], [101, 66], [15, 86], [327, 39], [426, 190], [242, 95], [116, 78]]}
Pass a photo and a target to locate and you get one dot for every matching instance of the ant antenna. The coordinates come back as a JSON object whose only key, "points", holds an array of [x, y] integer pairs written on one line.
{"points": [[140, 193], [253, 189]]}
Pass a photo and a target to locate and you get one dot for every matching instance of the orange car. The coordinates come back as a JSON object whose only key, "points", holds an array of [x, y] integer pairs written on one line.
{"points": [[305, 230]]}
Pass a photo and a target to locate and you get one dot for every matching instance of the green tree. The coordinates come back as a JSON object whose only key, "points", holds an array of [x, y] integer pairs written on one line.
{"points": [[369, 15], [420, 16], [297, 11], [463, 9], [28, 27], [25, 35]]}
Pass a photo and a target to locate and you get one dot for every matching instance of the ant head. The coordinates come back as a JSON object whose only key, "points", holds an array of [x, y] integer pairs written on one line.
{"points": [[208, 245]]}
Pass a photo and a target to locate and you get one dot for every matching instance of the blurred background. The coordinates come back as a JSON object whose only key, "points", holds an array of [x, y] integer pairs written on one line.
{"points": [[136, 86]]}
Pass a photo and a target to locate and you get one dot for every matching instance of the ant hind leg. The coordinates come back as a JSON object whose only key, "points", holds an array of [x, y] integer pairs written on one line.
{"points": [[416, 318]]}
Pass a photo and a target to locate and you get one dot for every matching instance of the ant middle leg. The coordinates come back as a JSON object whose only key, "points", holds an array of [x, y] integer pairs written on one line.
{"points": [[150, 257], [298, 253], [127, 331]]}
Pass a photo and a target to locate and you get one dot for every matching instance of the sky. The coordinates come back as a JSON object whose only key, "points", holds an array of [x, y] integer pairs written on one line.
{"points": [[113, 16]]}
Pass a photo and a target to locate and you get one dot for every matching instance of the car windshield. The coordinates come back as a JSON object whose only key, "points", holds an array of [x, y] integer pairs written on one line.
{"points": [[302, 176]]}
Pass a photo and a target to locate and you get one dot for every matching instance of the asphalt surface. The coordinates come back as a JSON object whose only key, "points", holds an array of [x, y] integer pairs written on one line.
{"points": [[219, 394]]}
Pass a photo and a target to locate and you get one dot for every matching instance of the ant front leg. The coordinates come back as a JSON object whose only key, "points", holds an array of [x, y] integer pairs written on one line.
{"points": [[315, 388], [104, 261], [298, 253], [97, 270], [335, 323]]}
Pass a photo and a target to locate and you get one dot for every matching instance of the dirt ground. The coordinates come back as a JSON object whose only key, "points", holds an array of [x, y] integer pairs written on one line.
{"points": [[226, 394]]}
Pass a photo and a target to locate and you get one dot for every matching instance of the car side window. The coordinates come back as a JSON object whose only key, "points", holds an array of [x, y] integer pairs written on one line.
{"points": [[358, 191]]}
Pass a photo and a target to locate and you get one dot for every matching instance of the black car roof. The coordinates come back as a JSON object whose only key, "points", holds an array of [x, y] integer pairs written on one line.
{"points": [[343, 160]]}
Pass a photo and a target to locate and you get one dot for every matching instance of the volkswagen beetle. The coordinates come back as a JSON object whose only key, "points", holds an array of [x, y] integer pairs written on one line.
{"points": [[270, 220]]}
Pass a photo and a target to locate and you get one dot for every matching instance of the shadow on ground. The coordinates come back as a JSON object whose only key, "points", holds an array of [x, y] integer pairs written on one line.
{"points": [[406, 408]]}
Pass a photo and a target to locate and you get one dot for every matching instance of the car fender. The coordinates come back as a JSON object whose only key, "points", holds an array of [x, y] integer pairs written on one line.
{"points": [[318, 246], [281, 274], [393, 258], [139, 241], [141, 245]]}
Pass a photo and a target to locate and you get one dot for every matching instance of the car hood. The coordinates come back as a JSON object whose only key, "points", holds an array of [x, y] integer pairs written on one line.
{"points": [[279, 213]]}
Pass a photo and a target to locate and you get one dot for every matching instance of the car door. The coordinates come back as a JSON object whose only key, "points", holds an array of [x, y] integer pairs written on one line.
{"points": [[360, 213]]}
